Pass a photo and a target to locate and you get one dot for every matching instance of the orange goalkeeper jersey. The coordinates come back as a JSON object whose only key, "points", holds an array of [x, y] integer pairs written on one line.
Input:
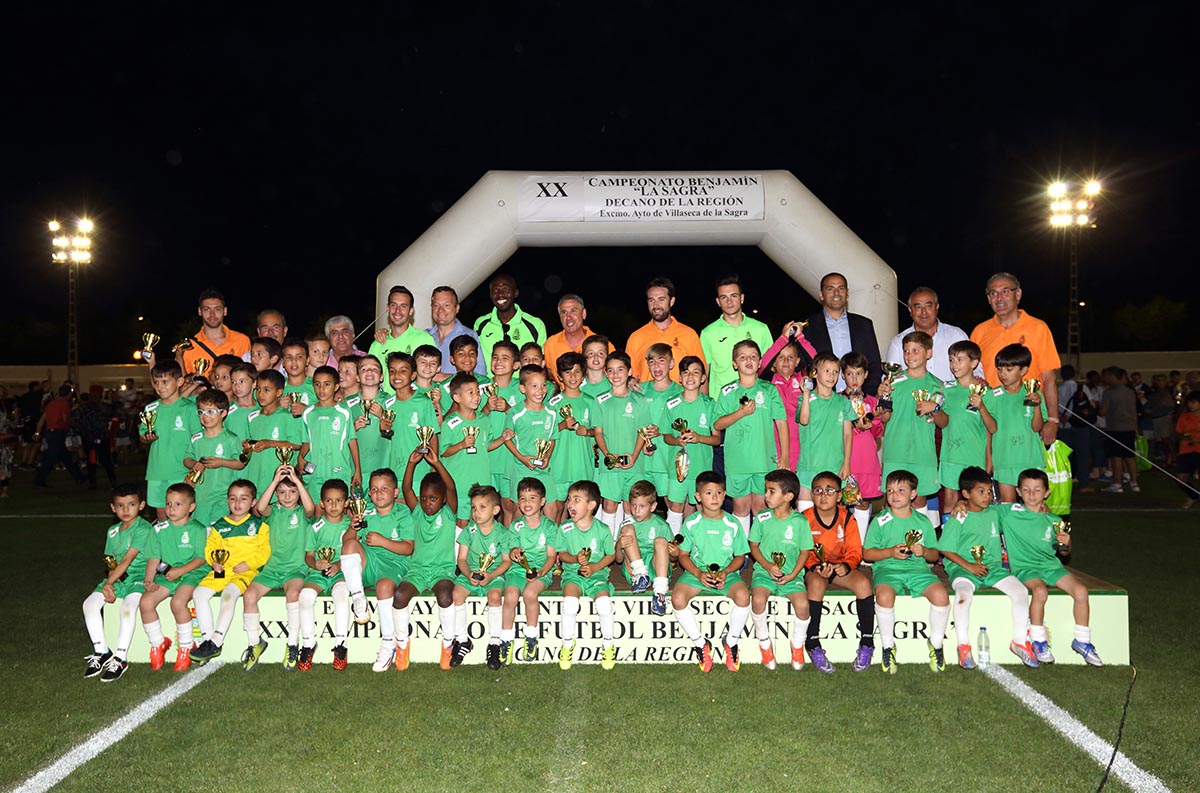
{"points": [[841, 540]]}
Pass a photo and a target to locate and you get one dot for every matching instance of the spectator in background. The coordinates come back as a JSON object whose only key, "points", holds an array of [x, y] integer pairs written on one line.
{"points": [[8, 442], [1118, 406], [272, 324], [53, 426], [1160, 409], [1074, 432], [340, 332], [29, 406], [1087, 406]]}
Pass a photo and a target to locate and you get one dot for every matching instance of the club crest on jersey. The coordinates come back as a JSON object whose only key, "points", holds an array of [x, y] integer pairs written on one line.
{"points": [[492, 548], [252, 529], [415, 421], [437, 524], [628, 408], [542, 540], [841, 533], [337, 424], [759, 399], [185, 539], [275, 433], [789, 534], [703, 419], [220, 450], [179, 422], [295, 521], [727, 540]]}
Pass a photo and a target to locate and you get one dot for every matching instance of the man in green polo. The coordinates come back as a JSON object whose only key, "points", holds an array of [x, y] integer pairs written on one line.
{"points": [[718, 339], [507, 321], [401, 334]]}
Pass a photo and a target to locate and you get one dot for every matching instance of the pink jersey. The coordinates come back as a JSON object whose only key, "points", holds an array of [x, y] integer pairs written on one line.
{"points": [[864, 452], [789, 392]]}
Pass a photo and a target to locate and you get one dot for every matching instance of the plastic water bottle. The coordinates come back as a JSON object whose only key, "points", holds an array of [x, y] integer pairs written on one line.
{"points": [[984, 645]]}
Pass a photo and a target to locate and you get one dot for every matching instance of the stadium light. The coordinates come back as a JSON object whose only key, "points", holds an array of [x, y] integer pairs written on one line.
{"points": [[72, 250], [1072, 209]]}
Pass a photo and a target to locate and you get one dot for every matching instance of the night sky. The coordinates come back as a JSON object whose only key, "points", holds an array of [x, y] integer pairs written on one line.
{"points": [[286, 160]]}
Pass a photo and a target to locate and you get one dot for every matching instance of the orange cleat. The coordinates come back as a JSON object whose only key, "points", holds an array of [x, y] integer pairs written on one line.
{"points": [[402, 658], [705, 655], [446, 653], [768, 657], [732, 661], [158, 655], [798, 657], [340, 656], [183, 661]]}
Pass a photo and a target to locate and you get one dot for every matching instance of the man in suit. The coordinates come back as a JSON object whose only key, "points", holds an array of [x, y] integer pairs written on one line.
{"points": [[834, 329]]}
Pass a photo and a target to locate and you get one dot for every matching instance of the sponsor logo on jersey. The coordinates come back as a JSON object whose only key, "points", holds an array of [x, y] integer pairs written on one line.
{"points": [[114, 531]]}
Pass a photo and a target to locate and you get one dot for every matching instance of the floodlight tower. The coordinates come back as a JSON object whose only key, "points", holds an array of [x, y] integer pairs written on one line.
{"points": [[1073, 209], [72, 250]]}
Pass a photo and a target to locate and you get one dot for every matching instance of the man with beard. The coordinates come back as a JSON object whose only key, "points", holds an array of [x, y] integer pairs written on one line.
{"points": [[662, 329], [507, 321]]}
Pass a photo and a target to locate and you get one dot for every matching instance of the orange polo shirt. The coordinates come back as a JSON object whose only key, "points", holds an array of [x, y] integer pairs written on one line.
{"points": [[235, 344], [682, 340], [991, 337], [556, 345]]}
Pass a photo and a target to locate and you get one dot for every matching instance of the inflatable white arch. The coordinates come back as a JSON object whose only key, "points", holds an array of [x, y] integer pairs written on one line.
{"points": [[771, 209]]}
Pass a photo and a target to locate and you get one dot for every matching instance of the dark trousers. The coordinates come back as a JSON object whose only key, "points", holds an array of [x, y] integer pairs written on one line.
{"points": [[1080, 441], [56, 452], [99, 454]]}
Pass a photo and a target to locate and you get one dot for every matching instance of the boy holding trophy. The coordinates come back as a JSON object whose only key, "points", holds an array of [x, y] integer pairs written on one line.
{"points": [[322, 555], [482, 561], [167, 425], [1019, 411], [572, 458], [533, 430], [534, 553], [212, 456], [689, 430], [965, 439], [585, 554], [329, 444], [467, 442]]}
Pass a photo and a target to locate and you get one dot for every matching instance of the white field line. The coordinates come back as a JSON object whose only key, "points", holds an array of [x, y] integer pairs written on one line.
{"points": [[60, 769], [1076, 732]]}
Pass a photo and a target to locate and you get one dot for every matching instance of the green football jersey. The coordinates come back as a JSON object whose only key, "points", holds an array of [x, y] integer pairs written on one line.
{"points": [[1029, 536], [494, 543], [237, 420], [436, 392], [647, 531], [718, 339], [465, 468], [374, 450], [530, 427], [396, 526], [213, 489], [791, 536], [178, 545], [1015, 445], [656, 409], [535, 540], [433, 540], [964, 439], [277, 426], [909, 438], [959, 535], [887, 531], [324, 533], [711, 541], [330, 430], [411, 413], [501, 457], [290, 529], [303, 392], [699, 414], [619, 418], [573, 459], [597, 537], [140, 536], [596, 390], [175, 425], [750, 441], [822, 446]]}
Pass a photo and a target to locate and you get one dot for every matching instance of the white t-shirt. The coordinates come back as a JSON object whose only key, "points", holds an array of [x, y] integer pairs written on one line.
{"points": [[939, 364]]}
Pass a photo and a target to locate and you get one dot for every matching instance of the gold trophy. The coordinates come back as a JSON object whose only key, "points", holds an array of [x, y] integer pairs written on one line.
{"points": [[326, 555], [367, 404], [487, 391], [284, 455], [793, 331], [357, 504], [566, 413], [148, 342], [584, 556], [518, 556], [424, 439], [182, 345], [778, 559], [923, 395], [977, 552], [149, 418], [471, 433], [110, 563], [975, 388], [683, 462], [219, 556], [541, 455], [911, 538], [648, 447], [196, 477], [851, 494], [890, 371], [810, 378], [247, 450], [611, 461], [1059, 526], [389, 416], [819, 553], [859, 404], [485, 561], [199, 367], [714, 570], [1032, 386]]}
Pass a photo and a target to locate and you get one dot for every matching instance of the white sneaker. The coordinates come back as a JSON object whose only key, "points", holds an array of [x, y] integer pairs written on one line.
{"points": [[1134, 489], [358, 607], [383, 661], [1113, 488]]}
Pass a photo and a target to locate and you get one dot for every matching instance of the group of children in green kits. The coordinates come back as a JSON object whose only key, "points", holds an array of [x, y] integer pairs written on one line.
{"points": [[526, 476]]}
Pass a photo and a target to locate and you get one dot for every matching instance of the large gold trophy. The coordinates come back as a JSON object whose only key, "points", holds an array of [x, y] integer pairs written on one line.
{"points": [[199, 367], [424, 439], [541, 455], [110, 564], [911, 538], [683, 462], [518, 556], [485, 561], [648, 447], [219, 556], [975, 388], [1032, 386], [149, 418], [367, 404], [471, 433], [890, 371], [326, 555]]}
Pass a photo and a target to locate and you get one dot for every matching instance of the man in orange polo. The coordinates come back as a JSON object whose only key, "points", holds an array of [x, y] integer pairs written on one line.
{"points": [[214, 338], [1011, 325], [572, 313], [662, 329]]}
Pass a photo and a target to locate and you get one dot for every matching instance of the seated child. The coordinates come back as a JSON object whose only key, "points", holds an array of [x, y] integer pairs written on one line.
{"points": [[535, 546], [483, 548], [586, 552], [780, 543], [322, 555], [645, 535]]}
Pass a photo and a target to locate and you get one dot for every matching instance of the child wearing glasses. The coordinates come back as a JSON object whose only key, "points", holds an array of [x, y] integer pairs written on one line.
{"points": [[212, 457]]}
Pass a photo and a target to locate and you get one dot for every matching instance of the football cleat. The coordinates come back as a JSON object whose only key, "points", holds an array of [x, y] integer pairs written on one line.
{"points": [[460, 652], [384, 658], [798, 658], [1022, 651], [565, 656], [862, 659], [732, 660], [358, 607], [658, 604], [447, 655], [506, 652], [493, 656], [158, 655], [608, 657], [96, 662], [704, 655], [965, 659], [252, 654], [640, 584], [888, 664], [821, 660], [531, 644], [340, 656], [205, 652], [1042, 651], [304, 664], [768, 656], [402, 657], [183, 661], [1088, 651], [113, 669], [937, 659], [290, 658]]}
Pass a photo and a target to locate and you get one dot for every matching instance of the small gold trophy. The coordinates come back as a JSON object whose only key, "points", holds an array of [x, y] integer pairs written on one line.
{"points": [[584, 556], [358, 507], [199, 367], [1032, 386], [566, 413], [487, 391], [148, 419], [110, 563], [485, 561], [851, 493], [778, 559], [975, 388], [859, 404], [890, 371], [819, 553], [325, 555], [247, 450], [683, 461], [284, 455], [923, 395], [518, 556], [388, 416], [977, 552], [648, 447], [182, 345], [424, 439], [471, 433], [219, 556], [541, 455], [149, 340], [196, 477], [714, 570], [367, 404], [1060, 527], [911, 538]]}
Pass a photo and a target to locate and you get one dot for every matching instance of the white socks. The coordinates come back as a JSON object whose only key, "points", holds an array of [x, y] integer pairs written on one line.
{"points": [[253, 628], [400, 625], [863, 518], [308, 616], [352, 567], [887, 625], [460, 623], [447, 616], [687, 621], [660, 585], [761, 631], [202, 605], [964, 593], [638, 567], [1019, 597], [229, 599], [495, 618], [744, 520], [383, 610], [293, 623], [93, 618], [799, 631], [604, 608], [609, 519], [675, 521], [1083, 633], [154, 632], [1037, 633], [341, 611], [737, 623], [570, 611], [129, 612], [939, 618]]}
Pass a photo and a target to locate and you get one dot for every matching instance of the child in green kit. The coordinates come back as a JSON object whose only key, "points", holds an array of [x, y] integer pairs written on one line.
{"points": [[411, 411], [644, 536], [535, 540], [366, 408], [1038, 542], [656, 392], [901, 542], [713, 550], [125, 555], [482, 561], [176, 565], [378, 555], [573, 458], [965, 439], [317, 346], [1017, 440], [468, 441], [290, 517], [780, 542], [586, 552], [241, 404], [271, 429], [620, 415], [212, 457], [427, 374], [348, 382], [175, 422], [529, 424], [265, 354], [970, 543], [322, 555], [595, 357], [752, 412], [330, 443], [916, 409], [826, 420], [298, 392], [532, 355], [697, 412], [505, 392]]}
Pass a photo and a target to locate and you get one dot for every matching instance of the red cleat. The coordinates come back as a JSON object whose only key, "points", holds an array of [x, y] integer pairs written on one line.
{"points": [[183, 661], [705, 654], [158, 655]]}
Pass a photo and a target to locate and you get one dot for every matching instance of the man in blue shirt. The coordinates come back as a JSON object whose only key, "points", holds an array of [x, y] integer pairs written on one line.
{"points": [[835, 330], [447, 327]]}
